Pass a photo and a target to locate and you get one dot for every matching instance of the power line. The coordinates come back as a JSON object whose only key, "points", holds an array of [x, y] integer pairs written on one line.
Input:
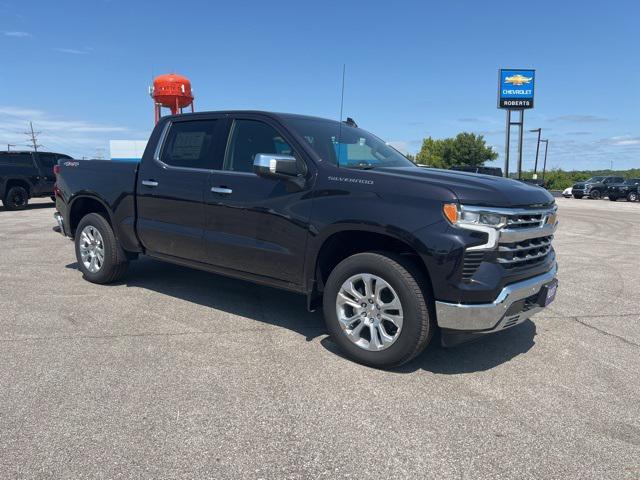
{"points": [[33, 136]]}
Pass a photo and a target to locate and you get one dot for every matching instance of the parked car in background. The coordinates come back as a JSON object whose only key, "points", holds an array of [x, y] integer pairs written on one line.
{"points": [[567, 192], [25, 175], [392, 252], [627, 189], [595, 187]]}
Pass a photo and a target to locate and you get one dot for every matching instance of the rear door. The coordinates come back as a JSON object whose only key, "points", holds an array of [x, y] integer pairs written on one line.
{"points": [[171, 185], [254, 224], [45, 162]]}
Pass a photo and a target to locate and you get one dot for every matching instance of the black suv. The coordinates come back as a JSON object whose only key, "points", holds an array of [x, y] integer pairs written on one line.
{"points": [[24, 175], [628, 189], [595, 187]]}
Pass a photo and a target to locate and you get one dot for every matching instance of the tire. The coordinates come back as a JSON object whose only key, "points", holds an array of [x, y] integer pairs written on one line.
{"points": [[632, 197], [595, 194], [613, 199], [577, 195], [405, 283], [114, 262], [16, 198]]}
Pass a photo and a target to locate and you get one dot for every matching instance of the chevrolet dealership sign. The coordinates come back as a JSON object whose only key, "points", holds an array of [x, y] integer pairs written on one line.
{"points": [[516, 88]]}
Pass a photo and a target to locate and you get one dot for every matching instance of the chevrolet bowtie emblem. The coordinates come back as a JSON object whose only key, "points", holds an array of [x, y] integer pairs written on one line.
{"points": [[518, 80]]}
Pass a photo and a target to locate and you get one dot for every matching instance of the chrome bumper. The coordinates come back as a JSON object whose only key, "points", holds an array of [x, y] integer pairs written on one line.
{"points": [[491, 317], [60, 222]]}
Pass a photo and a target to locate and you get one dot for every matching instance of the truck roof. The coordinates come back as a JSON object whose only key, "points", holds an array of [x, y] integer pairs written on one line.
{"points": [[255, 112], [21, 152]]}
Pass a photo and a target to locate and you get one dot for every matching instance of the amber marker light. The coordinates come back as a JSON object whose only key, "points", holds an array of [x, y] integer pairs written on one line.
{"points": [[450, 211]]}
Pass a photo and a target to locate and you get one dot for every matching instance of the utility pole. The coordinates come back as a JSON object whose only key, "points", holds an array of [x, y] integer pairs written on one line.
{"points": [[546, 147], [9, 145], [535, 167], [33, 137]]}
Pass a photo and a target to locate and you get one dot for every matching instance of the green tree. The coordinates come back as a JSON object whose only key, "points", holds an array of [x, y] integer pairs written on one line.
{"points": [[465, 149]]}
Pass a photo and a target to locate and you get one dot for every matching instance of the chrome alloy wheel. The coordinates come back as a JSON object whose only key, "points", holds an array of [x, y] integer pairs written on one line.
{"points": [[91, 248], [369, 312]]}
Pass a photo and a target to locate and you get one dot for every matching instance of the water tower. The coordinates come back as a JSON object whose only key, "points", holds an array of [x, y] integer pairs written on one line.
{"points": [[171, 91]]}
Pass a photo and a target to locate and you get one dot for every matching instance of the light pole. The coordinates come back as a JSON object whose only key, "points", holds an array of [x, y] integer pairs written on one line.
{"points": [[544, 167], [535, 167]]}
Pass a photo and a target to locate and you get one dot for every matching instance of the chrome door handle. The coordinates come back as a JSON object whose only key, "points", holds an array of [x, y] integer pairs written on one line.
{"points": [[150, 183], [223, 190]]}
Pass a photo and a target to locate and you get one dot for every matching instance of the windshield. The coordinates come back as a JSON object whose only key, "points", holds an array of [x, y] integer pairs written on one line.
{"points": [[595, 179], [347, 146]]}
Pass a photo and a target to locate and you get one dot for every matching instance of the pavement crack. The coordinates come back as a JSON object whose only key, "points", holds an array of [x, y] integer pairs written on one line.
{"points": [[604, 332]]}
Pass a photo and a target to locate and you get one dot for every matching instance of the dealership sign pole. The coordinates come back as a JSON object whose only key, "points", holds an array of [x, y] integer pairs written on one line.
{"points": [[515, 92]]}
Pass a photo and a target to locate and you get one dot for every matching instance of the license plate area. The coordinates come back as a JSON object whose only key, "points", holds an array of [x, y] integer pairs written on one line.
{"points": [[548, 293]]}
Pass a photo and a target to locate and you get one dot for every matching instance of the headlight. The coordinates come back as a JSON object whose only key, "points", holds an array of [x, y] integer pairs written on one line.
{"points": [[461, 215]]}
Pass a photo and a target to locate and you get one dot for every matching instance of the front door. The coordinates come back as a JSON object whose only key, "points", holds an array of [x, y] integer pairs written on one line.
{"points": [[171, 185], [254, 224]]}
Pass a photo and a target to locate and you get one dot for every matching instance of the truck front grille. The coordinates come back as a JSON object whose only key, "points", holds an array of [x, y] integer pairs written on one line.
{"points": [[523, 240], [526, 252], [525, 220]]}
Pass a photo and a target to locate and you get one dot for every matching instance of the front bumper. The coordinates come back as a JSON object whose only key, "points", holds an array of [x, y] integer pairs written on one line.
{"points": [[516, 303]]}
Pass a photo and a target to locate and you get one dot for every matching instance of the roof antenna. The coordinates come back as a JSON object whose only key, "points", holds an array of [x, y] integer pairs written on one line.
{"points": [[344, 67]]}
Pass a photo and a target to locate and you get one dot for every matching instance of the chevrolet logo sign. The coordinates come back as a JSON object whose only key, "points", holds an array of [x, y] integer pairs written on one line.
{"points": [[518, 80]]}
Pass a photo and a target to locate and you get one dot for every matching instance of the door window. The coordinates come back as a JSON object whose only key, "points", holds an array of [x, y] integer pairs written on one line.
{"points": [[190, 144], [249, 137], [47, 161]]}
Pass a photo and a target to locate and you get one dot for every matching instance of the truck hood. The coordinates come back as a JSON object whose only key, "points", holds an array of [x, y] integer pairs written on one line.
{"points": [[475, 189]]}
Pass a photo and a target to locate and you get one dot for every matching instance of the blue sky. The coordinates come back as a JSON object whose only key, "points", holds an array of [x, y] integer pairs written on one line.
{"points": [[80, 69]]}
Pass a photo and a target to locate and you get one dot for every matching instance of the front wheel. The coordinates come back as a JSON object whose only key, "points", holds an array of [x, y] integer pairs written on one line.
{"points": [[377, 310], [594, 194], [577, 196], [99, 254], [632, 197], [16, 198]]}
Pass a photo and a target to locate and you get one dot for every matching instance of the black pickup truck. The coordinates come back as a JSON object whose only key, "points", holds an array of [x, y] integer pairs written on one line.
{"points": [[390, 251], [627, 189], [24, 175], [595, 187]]}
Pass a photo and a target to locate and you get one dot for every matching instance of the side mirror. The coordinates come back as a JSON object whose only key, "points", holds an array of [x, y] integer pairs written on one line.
{"points": [[271, 165]]}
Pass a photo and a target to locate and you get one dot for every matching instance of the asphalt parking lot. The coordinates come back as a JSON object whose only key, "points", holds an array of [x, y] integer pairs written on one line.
{"points": [[176, 373]]}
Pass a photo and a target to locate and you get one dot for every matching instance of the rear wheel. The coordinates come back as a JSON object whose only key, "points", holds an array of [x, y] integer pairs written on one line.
{"points": [[595, 194], [377, 310], [99, 254], [632, 197], [577, 195], [16, 198]]}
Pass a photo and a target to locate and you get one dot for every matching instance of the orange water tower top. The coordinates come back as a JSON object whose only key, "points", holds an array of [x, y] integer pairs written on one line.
{"points": [[172, 91]]}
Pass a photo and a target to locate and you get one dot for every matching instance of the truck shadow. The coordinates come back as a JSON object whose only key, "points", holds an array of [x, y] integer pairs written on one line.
{"points": [[288, 310], [30, 206]]}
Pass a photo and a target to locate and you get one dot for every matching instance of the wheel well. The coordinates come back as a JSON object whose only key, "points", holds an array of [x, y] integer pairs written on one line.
{"points": [[344, 244], [84, 206], [18, 183]]}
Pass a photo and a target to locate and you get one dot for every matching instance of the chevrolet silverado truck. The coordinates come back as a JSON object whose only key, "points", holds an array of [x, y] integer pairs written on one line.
{"points": [[391, 252], [25, 175]]}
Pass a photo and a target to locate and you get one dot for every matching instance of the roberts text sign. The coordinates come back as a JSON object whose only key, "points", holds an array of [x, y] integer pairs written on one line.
{"points": [[516, 88]]}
